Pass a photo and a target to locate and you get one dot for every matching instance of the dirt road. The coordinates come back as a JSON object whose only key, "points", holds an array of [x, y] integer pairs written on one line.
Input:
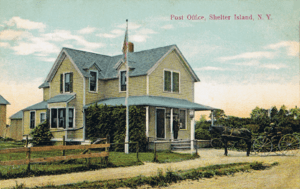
{"points": [[286, 175]]}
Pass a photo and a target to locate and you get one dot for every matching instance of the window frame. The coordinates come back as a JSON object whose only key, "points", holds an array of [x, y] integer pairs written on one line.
{"points": [[96, 82], [33, 111], [172, 81], [120, 80], [73, 122]]}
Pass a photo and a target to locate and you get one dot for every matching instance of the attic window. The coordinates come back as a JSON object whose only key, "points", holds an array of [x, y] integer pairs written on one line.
{"points": [[122, 80], [93, 81], [171, 81], [66, 82]]}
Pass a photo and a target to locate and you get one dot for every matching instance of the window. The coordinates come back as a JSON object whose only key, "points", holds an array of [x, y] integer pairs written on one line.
{"points": [[62, 117], [42, 117], [171, 81], [53, 118], [32, 120], [66, 82], [71, 117], [182, 117], [93, 81], [123, 81]]}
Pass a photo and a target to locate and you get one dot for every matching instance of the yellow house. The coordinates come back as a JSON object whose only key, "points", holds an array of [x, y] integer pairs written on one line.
{"points": [[161, 80]]}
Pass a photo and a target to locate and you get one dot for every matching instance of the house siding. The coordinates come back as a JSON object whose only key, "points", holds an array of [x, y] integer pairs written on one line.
{"points": [[94, 96], [26, 118], [156, 78], [15, 129], [46, 94], [137, 87], [2, 119]]}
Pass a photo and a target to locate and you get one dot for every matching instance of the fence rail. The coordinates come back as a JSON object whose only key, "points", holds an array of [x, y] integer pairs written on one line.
{"points": [[29, 150]]}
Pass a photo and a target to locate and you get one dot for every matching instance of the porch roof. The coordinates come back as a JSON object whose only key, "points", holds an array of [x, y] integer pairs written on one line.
{"points": [[61, 98], [157, 101], [39, 106]]}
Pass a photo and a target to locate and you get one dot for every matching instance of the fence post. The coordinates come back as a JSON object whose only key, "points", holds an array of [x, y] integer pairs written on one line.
{"points": [[196, 147], [28, 160], [64, 143], [137, 151], [26, 143], [107, 149], [155, 159]]}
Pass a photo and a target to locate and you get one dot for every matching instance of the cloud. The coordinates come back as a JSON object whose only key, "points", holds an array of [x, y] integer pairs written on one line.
{"points": [[4, 44], [131, 26], [146, 31], [167, 27], [247, 63], [36, 45], [65, 35], [292, 47], [274, 66], [210, 68], [11, 34], [138, 38], [118, 32], [47, 59], [107, 35], [25, 24], [249, 55], [87, 30]]}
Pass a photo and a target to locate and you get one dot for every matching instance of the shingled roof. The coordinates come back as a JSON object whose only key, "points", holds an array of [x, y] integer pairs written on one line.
{"points": [[3, 101], [139, 62]]}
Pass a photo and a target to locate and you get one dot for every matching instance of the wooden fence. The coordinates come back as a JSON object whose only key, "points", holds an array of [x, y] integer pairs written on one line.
{"points": [[29, 150]]}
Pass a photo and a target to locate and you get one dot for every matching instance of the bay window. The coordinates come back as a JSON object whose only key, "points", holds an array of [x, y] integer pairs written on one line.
{"points": [[62, 117]]}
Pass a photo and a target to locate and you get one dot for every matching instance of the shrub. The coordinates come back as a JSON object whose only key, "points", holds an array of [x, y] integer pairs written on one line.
{"points": [[41, 134]]}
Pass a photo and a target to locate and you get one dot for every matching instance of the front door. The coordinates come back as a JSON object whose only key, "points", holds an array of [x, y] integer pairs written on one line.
{"points": [[160, 123]]}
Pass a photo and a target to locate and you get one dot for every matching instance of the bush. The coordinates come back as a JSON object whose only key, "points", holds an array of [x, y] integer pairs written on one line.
{"points": [[41, 134]]}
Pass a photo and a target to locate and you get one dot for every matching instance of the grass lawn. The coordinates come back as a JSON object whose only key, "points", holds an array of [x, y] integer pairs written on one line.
{"points": [[116, 159]]}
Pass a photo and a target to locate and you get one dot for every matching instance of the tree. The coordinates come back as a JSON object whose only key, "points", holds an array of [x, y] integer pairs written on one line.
{"points": [[219, 116]]}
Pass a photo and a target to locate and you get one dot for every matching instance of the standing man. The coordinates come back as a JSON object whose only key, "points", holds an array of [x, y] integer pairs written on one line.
{"points": [[175, 127]]}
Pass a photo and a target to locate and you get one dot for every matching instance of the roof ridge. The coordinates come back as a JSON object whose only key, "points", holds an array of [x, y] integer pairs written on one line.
{"points": [[86, 51]]}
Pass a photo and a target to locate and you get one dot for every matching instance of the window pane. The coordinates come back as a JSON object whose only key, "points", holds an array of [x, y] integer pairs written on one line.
{"points": [[71, 118], [32, 120], [93, 83], [175, 82], [62, 117], [43, 117], [167, 81], [53, 118], [67, 82], [123, 81], [182, 117]]}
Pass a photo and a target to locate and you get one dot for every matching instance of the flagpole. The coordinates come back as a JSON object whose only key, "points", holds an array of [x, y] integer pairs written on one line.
{"points": [[127, 93]]}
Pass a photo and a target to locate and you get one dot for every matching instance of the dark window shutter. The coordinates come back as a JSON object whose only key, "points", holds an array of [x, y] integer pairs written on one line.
{"points": [[61, 83], [71, 82]]}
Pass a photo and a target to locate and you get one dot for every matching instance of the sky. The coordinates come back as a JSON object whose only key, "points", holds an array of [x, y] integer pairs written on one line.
{"points": [[242, 63]]}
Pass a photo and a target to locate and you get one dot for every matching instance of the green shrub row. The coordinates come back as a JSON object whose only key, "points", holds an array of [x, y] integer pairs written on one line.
{"points": [[103, 120]]}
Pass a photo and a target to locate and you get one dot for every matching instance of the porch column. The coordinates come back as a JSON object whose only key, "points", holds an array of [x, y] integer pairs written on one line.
{"points": [[212, 117], [147, 121], [171, 124], [192, 130]]}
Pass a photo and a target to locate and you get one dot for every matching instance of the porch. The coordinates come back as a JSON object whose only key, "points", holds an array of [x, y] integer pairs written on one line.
{"points": [[161, 113]]}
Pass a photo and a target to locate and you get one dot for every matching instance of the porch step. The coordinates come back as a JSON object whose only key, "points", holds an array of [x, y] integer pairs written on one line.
{"points": [[86, 142], [180, 145]]}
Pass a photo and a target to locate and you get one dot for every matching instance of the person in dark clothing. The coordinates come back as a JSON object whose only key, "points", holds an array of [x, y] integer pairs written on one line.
{"points": [[175, 127]]}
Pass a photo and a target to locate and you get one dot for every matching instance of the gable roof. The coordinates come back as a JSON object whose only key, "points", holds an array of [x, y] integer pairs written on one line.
{"points": [[3, 101], [38, 106], [140, 62]]}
